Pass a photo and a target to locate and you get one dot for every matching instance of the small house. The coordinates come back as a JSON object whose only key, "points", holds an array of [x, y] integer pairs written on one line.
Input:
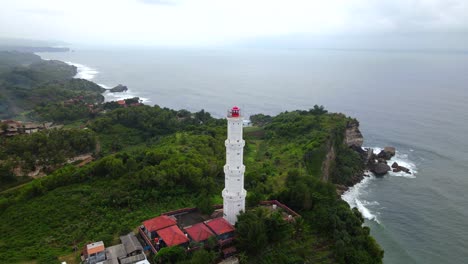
{"points": [[221, 227], [172, 236], [94, 253], [152, 225], [199, 233], [130, 251]]}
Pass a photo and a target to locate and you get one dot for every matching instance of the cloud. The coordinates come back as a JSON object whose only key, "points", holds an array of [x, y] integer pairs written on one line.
{"points": [[161, 2], [215, 22], [411, 15], [42, 11]]}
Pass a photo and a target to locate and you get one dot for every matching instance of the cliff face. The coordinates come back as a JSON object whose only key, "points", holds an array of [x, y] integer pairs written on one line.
{"points": [[328, 162], [353, 136], [341, 164]]}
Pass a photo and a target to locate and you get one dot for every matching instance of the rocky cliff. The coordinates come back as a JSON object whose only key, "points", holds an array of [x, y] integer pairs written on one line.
{"points": [[353, 136], [344, 161], [328, 162]]}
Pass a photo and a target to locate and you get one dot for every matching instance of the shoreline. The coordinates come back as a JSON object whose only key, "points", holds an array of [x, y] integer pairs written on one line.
{"points": [[353, 195], [350, 194], [89, 73]]}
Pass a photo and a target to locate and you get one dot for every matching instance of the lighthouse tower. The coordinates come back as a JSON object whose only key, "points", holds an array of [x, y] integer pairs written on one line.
{"points": [[234, 193]]}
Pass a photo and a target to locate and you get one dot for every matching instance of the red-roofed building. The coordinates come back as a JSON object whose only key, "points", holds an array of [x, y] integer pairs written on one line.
{"points": [[221, 227], [199, 232], [121, 102], [172, 236], [157, 223]]}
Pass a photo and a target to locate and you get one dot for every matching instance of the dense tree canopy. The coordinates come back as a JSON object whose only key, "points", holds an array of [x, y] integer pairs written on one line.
{"points": [[46, 148], [27, 83], [155, 159]]}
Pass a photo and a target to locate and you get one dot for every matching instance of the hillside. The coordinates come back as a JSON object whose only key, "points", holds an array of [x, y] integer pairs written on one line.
{"points": [[156, 159], [27, 81]]}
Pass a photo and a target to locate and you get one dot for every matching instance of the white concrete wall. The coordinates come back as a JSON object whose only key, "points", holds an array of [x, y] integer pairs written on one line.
{"points": [[234, 192]]}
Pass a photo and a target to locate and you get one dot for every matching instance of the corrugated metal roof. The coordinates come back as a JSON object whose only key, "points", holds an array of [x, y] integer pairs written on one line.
{"points": [[199, 232], [133, 259], [172, 236], [219, 226], [159, 222], [114, 253], [131, 243]]}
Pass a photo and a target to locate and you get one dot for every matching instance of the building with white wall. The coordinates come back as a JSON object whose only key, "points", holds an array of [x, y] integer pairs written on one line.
{"points": [[234, 193]]}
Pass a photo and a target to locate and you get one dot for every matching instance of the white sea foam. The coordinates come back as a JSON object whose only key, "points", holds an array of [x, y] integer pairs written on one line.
{"points": [[104, 86], [83, 71], [364, 211], [88, 73], [402, 160], [122, 95], [353, 197]]}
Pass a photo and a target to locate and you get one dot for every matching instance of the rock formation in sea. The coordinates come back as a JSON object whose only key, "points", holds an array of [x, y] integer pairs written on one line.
{"points": [[398, 168], [380, 169], [118, 89], [387, 153], [377, 163]]}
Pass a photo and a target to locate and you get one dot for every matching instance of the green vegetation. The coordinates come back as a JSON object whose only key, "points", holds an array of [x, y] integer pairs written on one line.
{"points": [[27, 82], [48, 148], [151, 159], [13, 59], [179, 256], [265, 237], [125, 127], [171, 162], [107, 198], [331, 218], [302, 140]]}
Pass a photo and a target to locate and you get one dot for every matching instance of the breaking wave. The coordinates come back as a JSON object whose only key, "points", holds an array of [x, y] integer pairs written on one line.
{"points": [[83, 71], [104, 86], [355, 195], [122, 95], [88, 73], [402, 160]]}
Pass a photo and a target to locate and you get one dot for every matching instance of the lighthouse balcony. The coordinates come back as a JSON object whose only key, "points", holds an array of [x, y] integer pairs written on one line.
{"points": [[234, 170], [234, 144], [237, 196]]}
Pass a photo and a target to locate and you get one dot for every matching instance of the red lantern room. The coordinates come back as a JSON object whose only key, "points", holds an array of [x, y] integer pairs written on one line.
{"points": [[235, 112]]}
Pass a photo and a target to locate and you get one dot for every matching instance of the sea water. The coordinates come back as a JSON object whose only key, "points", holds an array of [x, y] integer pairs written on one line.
{"points": [[416, 101]]}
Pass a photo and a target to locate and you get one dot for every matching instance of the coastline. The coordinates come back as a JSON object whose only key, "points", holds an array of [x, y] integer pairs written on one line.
{"points": [[395, 119], [351, 194], [89, 73], [355, 195]]}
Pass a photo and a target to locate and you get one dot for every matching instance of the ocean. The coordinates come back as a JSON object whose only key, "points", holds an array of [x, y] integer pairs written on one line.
{"points": [[416, 101]]}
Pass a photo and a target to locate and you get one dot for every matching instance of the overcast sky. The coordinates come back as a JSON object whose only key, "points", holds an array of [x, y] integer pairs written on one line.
{"points": [[215, 22]]}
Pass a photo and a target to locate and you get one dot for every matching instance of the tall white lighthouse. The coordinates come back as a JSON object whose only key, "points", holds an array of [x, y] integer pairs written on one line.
{"points": [[234, 192]]}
